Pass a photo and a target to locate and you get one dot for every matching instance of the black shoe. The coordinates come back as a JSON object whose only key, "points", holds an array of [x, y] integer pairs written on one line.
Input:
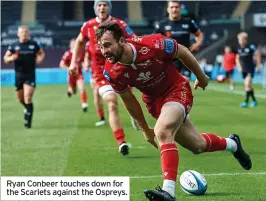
{"points": [[242, 157], [158, 195], [85, 109], [124, 148], [69, 94], [27, 125]]}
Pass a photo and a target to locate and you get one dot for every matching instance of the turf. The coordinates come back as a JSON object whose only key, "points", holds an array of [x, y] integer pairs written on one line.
{"points": [[64, 141]]}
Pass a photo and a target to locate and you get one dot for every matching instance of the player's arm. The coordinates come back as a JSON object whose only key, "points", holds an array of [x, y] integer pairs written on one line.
{"points": [[65, 60], [157, 29], [134, 109], [9, 57], [199, 40], [258, 59], [192, 64], [87, 61], [62, 64], [78, 47], [40, 56], [199, 36], [238, 64]]}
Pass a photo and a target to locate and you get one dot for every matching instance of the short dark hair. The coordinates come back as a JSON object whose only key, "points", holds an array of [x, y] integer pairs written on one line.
{"points": [[110, 26], [166, 6]]}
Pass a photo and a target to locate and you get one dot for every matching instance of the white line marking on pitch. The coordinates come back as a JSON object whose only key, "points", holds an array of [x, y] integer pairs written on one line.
{"points": [[213, 88], [207, 174], [112, 148]]}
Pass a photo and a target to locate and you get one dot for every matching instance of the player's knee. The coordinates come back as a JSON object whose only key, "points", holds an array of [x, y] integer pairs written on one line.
{"points": [[199, 148], [28, 99], [164, 134], [112, 106]]}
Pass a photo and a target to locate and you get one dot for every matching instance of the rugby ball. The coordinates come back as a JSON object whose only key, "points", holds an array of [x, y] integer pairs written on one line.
{"points": [[193, 183]]}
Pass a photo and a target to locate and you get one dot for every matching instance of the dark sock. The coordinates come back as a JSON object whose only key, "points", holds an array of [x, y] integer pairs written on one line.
{"points": [[102, 118], [29, 114], [252, 95], [22, 103], [247, 96]]}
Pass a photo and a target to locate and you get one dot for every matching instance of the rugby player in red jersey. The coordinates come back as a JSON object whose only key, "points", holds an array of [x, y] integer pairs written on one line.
{"points": [[74, 80], [88, 32], [146, 63], [96, 96]]}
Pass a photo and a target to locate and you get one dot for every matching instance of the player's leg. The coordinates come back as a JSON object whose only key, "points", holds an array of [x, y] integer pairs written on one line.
{"points": [[97, 100], [228, 75], [230, 79], [28, 94], [246, 88], [250, 90], [109, 96], [171, 118], [83, 94], [71, 85], [20, 97], [188, 137]]}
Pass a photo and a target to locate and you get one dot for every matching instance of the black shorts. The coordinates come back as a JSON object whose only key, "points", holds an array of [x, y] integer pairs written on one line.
{"points": [[28, 79], [245, 74], [229, 73], [182, 68]]}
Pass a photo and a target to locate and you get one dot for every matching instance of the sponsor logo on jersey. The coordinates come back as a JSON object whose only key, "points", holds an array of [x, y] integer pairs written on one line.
{"points": [[144, 76], [167, 27], [145, 63], [169, 46], [31, 47], [162, 44], [156, 43], [144, 50], [126, 75], [137, 39], [129, 31], [185, 26], [246, 50]]}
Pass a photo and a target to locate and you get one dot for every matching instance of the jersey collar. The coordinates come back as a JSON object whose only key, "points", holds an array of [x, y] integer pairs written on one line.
{"points": [[108, 19]]}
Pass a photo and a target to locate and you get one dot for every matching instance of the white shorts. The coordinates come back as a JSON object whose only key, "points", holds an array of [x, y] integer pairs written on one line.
{"points": [[106, 89]]}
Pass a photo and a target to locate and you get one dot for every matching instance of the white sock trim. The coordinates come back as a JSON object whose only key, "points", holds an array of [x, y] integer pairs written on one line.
{"points": [[230, 145], [169, 186]]}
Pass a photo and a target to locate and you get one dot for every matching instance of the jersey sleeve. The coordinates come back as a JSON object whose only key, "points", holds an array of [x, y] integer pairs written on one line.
{"points": [[11, 48], [157, 28], [118, 86], [38, 46], [65, 57], [127, 31], [252, 48], [84, 30], [193, 27], [166, 48]]}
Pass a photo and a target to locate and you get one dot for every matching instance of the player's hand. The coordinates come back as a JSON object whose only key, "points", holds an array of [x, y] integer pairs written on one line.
{"points": [[203, 83], [39, 60], [194, 47], [14, 57], [258, 68], [149, 136], [73, 69]]}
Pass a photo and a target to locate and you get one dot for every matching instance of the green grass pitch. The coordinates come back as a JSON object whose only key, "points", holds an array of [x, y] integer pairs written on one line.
{"points": [[65, 142]]}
